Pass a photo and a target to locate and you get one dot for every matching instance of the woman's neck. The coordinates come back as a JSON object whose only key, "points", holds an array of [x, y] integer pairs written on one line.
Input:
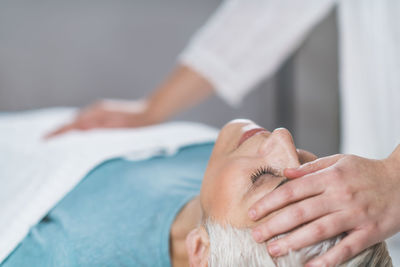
{"points": [[187, 220]]}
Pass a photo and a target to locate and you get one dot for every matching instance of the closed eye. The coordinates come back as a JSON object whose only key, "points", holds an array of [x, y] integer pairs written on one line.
{"points": [[258, 173]]}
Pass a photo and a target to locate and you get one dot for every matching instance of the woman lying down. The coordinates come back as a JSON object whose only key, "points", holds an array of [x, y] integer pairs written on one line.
{"points": [[150, 213]]}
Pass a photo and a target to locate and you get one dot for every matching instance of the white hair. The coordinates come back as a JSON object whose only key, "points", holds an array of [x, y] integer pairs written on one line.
{"points": [[232, 247]]}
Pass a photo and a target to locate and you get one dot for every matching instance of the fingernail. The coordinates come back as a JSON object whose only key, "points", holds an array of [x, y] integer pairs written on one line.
{"points": [[257, 235], [274, 249], [252, 214]]}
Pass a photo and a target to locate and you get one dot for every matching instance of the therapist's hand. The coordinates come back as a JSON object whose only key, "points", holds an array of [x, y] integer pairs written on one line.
{"points": [[183, 89], [108, 114], [332, 195]]}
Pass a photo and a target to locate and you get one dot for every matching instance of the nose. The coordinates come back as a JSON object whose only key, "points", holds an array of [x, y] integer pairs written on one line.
{"points": [[281, 148]]}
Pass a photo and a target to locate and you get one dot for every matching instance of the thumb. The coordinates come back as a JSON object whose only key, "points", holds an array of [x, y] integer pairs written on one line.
{"points": [[312, 166]]}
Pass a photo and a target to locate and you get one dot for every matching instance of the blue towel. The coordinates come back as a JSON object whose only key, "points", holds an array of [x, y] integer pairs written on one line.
{"points": [[119, 215]]}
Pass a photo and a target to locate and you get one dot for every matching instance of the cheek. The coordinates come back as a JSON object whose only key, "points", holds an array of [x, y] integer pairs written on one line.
{"points": [[222, 192], [267, 186], [224, 143]]}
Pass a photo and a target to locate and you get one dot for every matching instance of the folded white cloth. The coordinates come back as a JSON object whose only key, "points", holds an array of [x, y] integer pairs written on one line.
{"points": [[35, 174]]}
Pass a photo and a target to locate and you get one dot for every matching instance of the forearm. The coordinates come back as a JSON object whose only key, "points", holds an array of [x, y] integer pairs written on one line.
{"points": [[239, 45], [183, 89]]}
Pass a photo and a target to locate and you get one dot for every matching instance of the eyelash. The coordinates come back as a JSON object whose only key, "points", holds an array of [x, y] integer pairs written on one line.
{"points": [[260, 172]]}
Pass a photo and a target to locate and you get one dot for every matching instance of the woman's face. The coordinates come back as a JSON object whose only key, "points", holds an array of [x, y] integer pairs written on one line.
{"points": [[247, 162]]}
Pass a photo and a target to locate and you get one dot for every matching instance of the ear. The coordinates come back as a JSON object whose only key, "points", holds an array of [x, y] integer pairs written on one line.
{"points": [[197, 246]]}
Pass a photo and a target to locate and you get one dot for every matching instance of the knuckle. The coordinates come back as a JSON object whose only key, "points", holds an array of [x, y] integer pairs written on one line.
{"points": [[319, 231], [358, 213], [298, 214], [346, 251], [260, 207], [361, 212], [347, 194], [287, 194], [372, 227], [337, 175]]}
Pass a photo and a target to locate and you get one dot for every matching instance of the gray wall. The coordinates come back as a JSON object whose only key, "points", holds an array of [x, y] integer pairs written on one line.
{"points": [[316, 90], [74, 52]]}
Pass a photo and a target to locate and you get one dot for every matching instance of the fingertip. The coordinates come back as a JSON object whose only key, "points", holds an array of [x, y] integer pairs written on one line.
{"points": [[291, 172], [274, 249], [257, 210], [257, 236]]}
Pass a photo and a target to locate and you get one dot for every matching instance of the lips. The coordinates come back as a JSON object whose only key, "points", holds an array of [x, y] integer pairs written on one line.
{"points": [[250, 133]]}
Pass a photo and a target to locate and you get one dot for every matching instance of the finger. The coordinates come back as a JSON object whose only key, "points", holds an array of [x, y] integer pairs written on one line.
{"points": [[347, 248], [86, 125], [282, 196], [316, 231], [291, 217], [89, 123], [61, 130], [312, 166], [305, 156], [114, 122]]}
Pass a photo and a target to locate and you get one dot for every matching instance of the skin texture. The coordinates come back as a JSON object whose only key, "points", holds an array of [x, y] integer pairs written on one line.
{"points": [[340, 193], [228, 191], [182, 89]]}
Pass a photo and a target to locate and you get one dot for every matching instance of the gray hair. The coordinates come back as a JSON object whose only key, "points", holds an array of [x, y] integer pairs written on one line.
{"points": [[232, 247]]}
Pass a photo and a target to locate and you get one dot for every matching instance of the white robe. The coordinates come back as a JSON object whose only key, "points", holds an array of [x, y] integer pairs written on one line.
{"points": [[246, 41]]}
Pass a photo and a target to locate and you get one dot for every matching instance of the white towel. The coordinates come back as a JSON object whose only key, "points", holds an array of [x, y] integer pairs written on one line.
{"points": [[35, 174]]}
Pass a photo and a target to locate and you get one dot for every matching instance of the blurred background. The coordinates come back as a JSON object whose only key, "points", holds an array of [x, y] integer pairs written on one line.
{"points": [[71, 53]]}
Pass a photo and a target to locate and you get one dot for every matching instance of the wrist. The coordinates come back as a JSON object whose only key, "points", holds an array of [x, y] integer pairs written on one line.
{"points": [[152, 112], [393, 163], [395, 156]]}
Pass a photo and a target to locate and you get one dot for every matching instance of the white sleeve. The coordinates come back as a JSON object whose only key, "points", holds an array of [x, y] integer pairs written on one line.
{"points": [[245, 41]]}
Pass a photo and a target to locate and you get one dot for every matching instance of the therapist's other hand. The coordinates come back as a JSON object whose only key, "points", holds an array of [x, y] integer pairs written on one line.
{"points": [[182, 89], [333, 195], [108, 114]]}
